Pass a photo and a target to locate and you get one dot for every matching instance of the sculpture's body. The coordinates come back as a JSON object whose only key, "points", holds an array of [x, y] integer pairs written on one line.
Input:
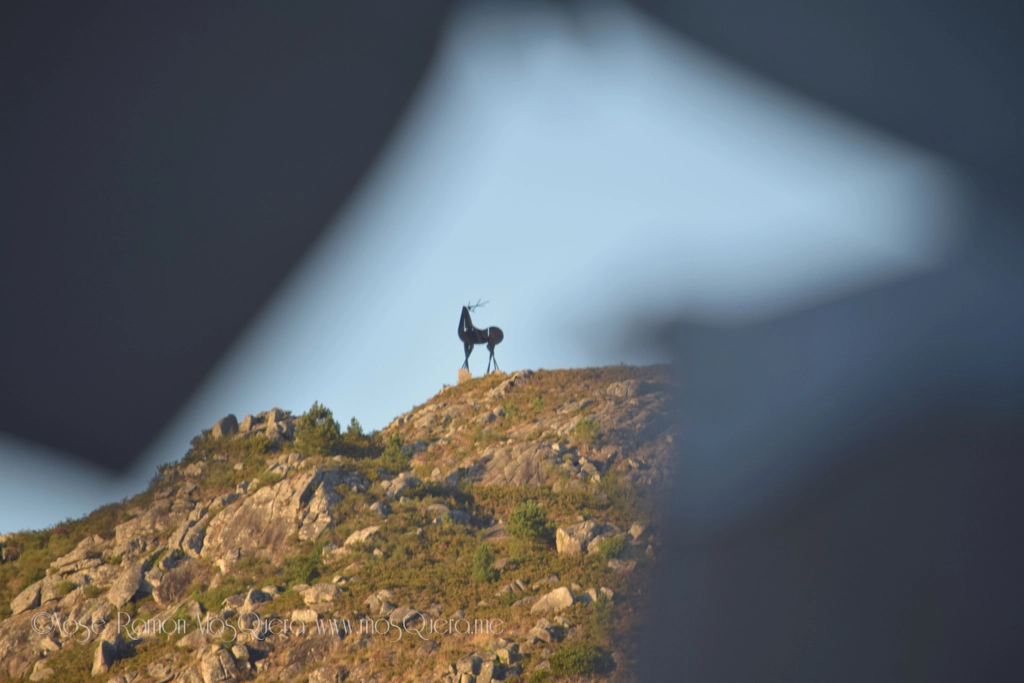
{"points": [[470, 336]]}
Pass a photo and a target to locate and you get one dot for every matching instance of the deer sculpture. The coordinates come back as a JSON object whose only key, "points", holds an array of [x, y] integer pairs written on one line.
{"points": [[471, 336]]}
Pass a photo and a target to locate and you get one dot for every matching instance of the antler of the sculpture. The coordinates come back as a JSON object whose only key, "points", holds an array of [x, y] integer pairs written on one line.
{"points": [[478, 304]]}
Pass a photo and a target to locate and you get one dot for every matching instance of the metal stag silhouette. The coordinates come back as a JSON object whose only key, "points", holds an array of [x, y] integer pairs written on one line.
{"points": [[470, 335]]}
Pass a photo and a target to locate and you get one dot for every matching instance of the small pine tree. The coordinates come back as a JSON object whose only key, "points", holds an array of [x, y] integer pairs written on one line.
{"points": [[529, 522], [393, 459], [317, 432], [483, 564]]}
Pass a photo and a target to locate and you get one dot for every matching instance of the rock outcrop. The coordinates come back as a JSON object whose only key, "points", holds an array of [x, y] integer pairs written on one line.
{"points": [[583, 537], [264, 520], [126, 586]]}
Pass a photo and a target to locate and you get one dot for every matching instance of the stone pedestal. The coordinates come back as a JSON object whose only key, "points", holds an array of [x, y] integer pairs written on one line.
{"points": [[464, 375]]}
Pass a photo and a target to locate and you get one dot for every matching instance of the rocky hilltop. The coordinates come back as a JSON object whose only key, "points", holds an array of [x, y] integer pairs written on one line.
{"points": [[503, 530]]}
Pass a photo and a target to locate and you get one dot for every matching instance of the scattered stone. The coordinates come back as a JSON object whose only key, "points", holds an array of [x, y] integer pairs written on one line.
{"points": [[240, 652], [320, 593], [83, 556], [27, 599], [587, 597], [217, 666], [583, 537], [226, 426], [381, 509], [306, 616], [254, 597], [329, 674], [622, 566], [507, 653], [629, 388], [394, 487], [551, 580], [379, 602], [193, 640], [556, 600], [41, 671], [468, 664], [361, 535], [194, 470], [109, 649], [503, 562], [126, 586], [455, 516]]}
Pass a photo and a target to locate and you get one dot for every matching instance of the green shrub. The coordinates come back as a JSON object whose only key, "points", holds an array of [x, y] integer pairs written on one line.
{"points": [[303, 567], [92, 591], [317, 432], [540, 676], [529, 522], [580, 659], [392, 459], [64, 587], [356, 444], [483, 564], [585, 431], [600, 618], [611, 547]]}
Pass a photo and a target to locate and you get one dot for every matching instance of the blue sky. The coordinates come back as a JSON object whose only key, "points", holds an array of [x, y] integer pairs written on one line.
{"points": [[584, 175]]}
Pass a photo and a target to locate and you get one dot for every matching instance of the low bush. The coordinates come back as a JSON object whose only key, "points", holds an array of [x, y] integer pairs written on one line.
{"points": [[540, 676], [483, 564], [611, 547], [600, 618], [580, 659], [585, 431], [529, 522], [303, 567]]}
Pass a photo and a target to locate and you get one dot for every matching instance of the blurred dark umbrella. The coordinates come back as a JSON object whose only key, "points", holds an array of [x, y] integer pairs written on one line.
{"points": [[851, 477], [164, 166]]}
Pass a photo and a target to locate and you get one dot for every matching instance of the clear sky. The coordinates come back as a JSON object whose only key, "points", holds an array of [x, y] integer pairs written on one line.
{"points": [[586, 176]]}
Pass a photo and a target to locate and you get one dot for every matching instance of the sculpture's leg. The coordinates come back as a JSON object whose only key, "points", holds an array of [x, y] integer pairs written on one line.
{"points": [[490, 347], [469, 349]]}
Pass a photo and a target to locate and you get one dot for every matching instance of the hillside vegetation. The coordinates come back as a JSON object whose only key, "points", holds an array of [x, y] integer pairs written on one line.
{"points": [[503, 530]]}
